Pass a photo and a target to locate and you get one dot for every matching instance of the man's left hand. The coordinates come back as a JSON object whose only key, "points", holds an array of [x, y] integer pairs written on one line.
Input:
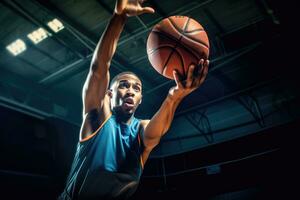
{"points": [[195, 77]]}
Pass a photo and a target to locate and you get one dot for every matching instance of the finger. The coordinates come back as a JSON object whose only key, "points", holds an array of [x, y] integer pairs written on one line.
{"points": [[177, 79], [146, 10], [205, 72], [200, 69], [199, 77], [201, 61], [189, 80], [206, 63]]}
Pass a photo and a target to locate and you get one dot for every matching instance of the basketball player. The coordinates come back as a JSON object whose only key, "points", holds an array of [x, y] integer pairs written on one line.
{"points": [[114, 145]]}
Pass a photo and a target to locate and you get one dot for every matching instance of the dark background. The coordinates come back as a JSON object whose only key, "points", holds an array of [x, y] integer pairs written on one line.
{"points": [[233, 138]]}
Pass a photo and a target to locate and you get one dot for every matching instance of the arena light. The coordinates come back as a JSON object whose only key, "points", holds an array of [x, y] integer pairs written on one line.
{"points": [[56, 25], [38, 35], [16, 47]]}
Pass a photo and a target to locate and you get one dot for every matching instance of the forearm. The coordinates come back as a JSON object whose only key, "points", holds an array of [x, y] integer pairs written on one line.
{"points": [[161, 121], [107, 44]]}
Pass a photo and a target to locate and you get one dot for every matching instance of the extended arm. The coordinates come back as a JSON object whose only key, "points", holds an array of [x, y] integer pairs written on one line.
{"points": [[97, 81], [161, 121]]}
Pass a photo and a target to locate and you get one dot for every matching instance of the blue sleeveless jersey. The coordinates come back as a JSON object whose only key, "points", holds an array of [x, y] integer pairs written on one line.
{"points": [[108, 164]]}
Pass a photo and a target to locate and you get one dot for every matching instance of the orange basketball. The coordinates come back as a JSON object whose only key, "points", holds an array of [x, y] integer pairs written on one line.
{"points": [[175, 43]]}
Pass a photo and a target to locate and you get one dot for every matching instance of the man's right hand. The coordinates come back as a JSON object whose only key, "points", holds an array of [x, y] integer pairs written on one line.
{"points": [[131, 7]]}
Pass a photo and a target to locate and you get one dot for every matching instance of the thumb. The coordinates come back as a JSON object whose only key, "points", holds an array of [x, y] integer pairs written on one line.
{"points": [[146, 10], [120, 6], [177, 79]]}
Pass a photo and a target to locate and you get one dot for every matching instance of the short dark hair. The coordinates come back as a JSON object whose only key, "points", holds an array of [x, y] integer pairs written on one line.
{"points": [[116, 77]]}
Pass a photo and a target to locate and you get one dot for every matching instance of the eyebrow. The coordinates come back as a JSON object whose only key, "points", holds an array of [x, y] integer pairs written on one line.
{"points": [[136, 83]]}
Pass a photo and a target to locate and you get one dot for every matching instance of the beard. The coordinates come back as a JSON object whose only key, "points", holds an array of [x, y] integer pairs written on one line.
{"points": [[125, 108], [122, 114]]}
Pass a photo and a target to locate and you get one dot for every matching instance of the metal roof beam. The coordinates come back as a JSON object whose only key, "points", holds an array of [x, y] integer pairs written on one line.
{"points": [[229, 96], [45, 53], [51, 8], [118, 62], [228, 58], [32, 99]]}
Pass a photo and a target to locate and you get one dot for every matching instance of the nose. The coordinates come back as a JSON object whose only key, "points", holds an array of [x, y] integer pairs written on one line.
{"points": [[130, 91]]}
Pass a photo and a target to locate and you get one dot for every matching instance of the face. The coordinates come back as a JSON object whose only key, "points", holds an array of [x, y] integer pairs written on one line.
{"points": [[126, 94]]}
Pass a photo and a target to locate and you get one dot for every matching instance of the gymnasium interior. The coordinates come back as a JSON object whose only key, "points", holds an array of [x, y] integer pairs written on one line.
{"points": [[234, 138]]}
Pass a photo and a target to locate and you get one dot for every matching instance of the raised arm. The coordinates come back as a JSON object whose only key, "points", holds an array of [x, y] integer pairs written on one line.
{"points": [[97, 81], [96, 106], [161, 121]]}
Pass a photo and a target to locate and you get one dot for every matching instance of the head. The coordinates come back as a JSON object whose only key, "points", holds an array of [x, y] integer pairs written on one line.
{"points": [[125, 93]]}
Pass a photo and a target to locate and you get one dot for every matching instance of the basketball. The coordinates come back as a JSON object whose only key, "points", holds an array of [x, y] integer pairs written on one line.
{"points": [[175, 43]]}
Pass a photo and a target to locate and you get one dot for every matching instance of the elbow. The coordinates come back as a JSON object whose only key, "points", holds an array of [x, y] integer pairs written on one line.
{"points": [[150, 145]]}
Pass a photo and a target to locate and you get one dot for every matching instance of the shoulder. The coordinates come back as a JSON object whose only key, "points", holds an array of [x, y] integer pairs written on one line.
{"points": [[144, 123]]}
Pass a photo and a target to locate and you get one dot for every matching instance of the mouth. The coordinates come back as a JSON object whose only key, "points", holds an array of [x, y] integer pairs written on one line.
{"points": [[128, 102]]}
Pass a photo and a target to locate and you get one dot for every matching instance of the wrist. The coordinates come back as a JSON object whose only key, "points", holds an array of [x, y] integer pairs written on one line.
{"points": [[120, 16], [174, 98]]}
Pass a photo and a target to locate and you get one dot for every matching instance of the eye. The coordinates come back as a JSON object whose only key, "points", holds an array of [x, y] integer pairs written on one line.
{"points": [[137, 88], [123, 85]]}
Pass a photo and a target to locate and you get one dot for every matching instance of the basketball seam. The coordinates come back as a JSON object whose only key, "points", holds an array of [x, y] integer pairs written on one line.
{"points": [[183, 69], [191, 31], [157, 48], [174, 25], [194, 32], [184, 29], [187, 32], [186, 36], [161, 47], [200, 43], [162, 33], [177, 41], [186, 24], [181, 59], [173, 49]]}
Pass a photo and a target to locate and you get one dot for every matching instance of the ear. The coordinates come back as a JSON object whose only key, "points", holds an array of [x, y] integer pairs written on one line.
{"points": [[109, 92], [141, 100]]}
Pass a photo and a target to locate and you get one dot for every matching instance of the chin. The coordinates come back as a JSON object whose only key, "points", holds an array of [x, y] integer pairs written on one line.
{"points": [[125, 111], [129, 111]]}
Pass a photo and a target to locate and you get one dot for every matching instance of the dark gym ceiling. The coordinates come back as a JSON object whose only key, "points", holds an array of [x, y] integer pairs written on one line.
{"points": [[244, 91]]}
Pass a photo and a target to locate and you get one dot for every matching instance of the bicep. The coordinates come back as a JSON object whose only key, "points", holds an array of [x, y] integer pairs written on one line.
{"points": [[94, 90]]}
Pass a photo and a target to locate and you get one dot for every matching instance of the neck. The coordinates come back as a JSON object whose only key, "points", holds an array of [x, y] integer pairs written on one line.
{"points": [[123, 117]]}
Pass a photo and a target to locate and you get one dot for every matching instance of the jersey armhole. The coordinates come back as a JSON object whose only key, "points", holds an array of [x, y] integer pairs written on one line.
{"points": [[141, 147], [141, 152], [96, 131]]}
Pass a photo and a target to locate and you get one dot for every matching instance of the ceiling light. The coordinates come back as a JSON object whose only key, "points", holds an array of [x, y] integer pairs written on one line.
{"points": [[16, 47], [37, 35], [55, 25]]}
